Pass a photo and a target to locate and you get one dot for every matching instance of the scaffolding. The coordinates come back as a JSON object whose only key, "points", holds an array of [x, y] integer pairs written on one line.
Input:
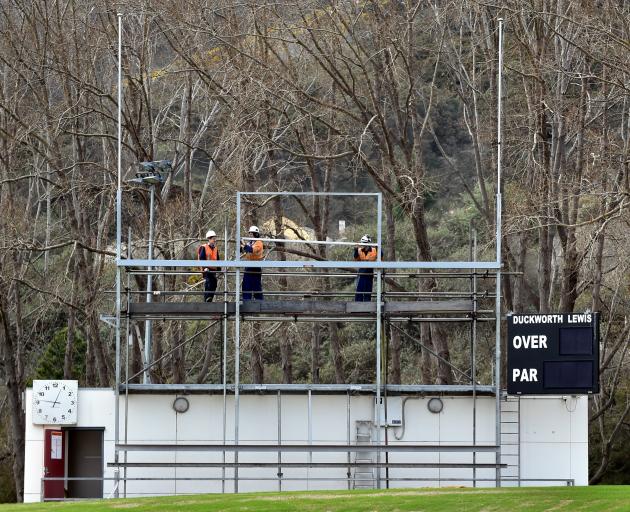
{"points": [[422, 307]]}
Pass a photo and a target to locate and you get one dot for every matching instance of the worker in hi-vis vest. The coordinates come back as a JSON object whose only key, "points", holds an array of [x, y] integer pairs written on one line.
{"points": [[365, 277], [209, 252], [252, 276]]}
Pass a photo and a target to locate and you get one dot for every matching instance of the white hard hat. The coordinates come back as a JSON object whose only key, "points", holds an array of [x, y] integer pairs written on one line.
{"points": [[210, 234], [254, 229], [365, 239]]}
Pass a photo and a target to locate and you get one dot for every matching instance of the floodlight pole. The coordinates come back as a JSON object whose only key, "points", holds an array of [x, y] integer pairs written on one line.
{"points": [[118, 254], [497, 343], [148, 325]]}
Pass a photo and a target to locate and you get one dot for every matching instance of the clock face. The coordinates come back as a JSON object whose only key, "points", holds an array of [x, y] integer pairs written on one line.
{"points": [[55, 402]]}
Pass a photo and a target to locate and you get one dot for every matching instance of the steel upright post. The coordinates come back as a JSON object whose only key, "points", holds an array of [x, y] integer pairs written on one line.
{"points": [[148, 325], [118, 250], [279, 475], [128, 338], [310, 436], [224, 359], [379, 249], [237, 335], [497, 358], [349, 470], [473, 352]]}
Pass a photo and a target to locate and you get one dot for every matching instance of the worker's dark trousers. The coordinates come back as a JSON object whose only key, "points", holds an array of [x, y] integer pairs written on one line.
{"points": [[210, 286], [252, 284], [364, 285]]}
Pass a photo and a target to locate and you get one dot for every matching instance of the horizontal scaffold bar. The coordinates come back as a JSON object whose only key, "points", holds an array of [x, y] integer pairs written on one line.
{"points": [[305, 448], [392, 389], [312, 242], [307, 307], [288, 465], [343, 194], [448, 265]]}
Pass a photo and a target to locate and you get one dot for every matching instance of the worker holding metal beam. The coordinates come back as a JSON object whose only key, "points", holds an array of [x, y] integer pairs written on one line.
{"points": [[365, 277], [252, 276], [208, 252]]}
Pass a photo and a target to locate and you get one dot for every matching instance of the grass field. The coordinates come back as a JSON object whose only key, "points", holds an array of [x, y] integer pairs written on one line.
{"points": [[568, 499]]}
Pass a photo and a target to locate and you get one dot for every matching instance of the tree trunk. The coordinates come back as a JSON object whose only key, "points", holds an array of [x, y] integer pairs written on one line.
{"points": [[395, 349], [14, 398], [335, 345], [68, 357], [257, 362], [207, 359], [426, 369], [177, 357], [315, 351]]}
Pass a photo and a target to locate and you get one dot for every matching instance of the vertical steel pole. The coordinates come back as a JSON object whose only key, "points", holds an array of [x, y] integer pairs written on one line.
{"points": [[379, 225], [349, 472], [224, 361], [378, 337], [497, 351], [473, 355], [148, 325], [378, 377], [279, 441], [129, 339], [118, 251], [237, 336], [310, 436]]}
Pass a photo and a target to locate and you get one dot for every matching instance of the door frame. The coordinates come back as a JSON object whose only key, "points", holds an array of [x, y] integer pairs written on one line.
{"points": [[72, 428]]}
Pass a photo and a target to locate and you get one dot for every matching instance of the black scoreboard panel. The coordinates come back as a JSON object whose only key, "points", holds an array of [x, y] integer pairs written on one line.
{"points": [[553, 354]]}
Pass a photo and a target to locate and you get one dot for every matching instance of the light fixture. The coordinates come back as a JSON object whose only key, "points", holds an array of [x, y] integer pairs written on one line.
{"points": [[152, 173], [435, 405], [181, 405]]}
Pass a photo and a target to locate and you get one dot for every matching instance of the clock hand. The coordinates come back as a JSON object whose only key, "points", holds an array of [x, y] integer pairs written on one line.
{"points": [[55, 402]]}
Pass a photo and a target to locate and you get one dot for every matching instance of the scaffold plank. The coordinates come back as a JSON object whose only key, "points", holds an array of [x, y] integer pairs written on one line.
{"points": [[297, 307]]}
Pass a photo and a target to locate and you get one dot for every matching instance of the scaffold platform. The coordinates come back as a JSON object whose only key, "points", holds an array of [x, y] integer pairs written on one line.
{"points": [[144, 310]]}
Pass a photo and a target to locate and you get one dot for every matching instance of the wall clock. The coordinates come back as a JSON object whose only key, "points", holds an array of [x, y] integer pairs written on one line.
{"points": [[55, 402]]}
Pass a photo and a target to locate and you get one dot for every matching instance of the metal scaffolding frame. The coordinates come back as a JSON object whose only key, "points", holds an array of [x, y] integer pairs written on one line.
{"points": [[374, 312], [471, 269]]}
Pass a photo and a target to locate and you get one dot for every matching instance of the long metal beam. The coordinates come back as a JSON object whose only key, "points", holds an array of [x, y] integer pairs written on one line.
{"points": [[310, 273], [393, 465], [272, 194], [311, 242], [448, 265], [392, 389], [294, 318], [305, 448]]}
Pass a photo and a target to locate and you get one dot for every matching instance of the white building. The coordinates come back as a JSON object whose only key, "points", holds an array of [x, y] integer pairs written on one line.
{"points": [[544, 442]]}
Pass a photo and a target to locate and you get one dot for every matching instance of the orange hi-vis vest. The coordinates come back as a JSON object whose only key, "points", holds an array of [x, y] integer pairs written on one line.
{"points": [[257, 252], [211, 253], [370, 255]]}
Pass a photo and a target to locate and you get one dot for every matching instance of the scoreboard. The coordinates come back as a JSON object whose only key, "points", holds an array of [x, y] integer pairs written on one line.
{"points": [[551, 354]]}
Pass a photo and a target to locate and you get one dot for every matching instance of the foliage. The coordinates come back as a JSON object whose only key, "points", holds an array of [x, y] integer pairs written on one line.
{"points": [[51, 363]]}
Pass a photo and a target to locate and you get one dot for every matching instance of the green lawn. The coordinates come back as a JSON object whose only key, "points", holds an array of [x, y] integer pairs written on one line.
{"points": [[569, 499]]}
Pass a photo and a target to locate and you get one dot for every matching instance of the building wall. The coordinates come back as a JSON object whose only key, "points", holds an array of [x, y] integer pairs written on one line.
{"points": [[553, 440]]}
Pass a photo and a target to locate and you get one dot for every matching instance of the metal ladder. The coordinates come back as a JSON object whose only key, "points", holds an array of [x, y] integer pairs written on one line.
{"points": [[511, 439], [364, 476]]}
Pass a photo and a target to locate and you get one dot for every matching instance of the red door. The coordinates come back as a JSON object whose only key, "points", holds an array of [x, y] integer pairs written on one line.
{"points": [[54, 463]]}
